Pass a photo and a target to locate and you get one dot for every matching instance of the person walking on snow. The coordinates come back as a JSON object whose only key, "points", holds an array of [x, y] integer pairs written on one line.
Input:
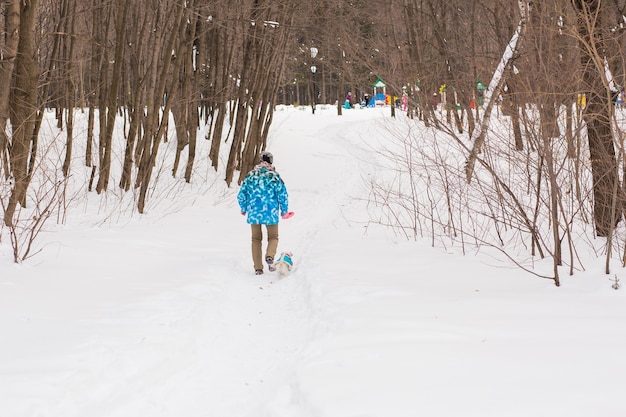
{"points": [[263, 197]]}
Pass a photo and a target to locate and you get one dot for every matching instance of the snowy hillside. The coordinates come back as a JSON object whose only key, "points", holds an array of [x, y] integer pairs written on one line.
{"points": [[161, 315]]}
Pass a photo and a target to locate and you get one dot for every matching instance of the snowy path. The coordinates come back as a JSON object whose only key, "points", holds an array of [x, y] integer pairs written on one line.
{"points": [[173, 321]]}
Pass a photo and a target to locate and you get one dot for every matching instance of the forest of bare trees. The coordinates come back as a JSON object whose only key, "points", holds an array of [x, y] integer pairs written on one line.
{"points": [[228, 63]]}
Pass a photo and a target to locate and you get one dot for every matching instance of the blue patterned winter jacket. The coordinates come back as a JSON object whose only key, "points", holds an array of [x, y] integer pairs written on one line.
{"points": [[263, 195]]}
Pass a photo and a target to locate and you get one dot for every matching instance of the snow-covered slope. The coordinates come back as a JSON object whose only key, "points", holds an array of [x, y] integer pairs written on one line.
{"points": [[161, 315]]}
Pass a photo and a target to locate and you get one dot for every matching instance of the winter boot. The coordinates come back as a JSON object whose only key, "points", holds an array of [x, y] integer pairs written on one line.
{"points": [[270, 263]]}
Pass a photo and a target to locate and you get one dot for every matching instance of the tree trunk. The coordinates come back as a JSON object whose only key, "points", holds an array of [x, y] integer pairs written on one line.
{"points": [[135, 93], [69, 18], [23, 107], [597, 116], [569, 134], [108, 113], [498, 84], [11, 30], [185, 109], [241, 116], [156, 131], [221, 60]]}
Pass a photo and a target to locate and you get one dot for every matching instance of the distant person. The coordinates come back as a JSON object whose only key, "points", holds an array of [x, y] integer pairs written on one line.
{"points": [[263, 197], [348, 102], [405, 102]]}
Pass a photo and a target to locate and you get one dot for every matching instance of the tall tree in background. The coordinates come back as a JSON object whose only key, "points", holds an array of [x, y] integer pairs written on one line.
{"points": [[136, 87], [110, 92], [169, 24], [218, 58], [264, 26], [68, 18], [23, 108], [597, 114], [185, 107], [11, 12]]}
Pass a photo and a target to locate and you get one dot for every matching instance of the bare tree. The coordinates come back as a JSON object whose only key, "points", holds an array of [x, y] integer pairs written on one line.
{"points": [[11, 12], [109, 95], [68, 17], [23, 108], [168, 40], [597, 114]]}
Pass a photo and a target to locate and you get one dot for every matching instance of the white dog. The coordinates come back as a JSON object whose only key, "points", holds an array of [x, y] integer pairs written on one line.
{"points": [[284, 263]]}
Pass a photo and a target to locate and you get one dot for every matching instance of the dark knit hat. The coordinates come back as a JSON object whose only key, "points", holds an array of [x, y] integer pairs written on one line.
{"points": [[267, 157]]}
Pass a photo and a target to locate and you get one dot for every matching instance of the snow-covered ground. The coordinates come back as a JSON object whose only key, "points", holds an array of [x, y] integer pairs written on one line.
{"points": [[161, 315]]}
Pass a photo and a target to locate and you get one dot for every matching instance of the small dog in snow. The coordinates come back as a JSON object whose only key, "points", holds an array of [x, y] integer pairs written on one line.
{"points": [[284, 263]]}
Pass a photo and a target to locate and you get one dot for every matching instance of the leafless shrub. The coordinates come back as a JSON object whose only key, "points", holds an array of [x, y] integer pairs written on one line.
{"points": [[29, 222], [423, 193]]}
